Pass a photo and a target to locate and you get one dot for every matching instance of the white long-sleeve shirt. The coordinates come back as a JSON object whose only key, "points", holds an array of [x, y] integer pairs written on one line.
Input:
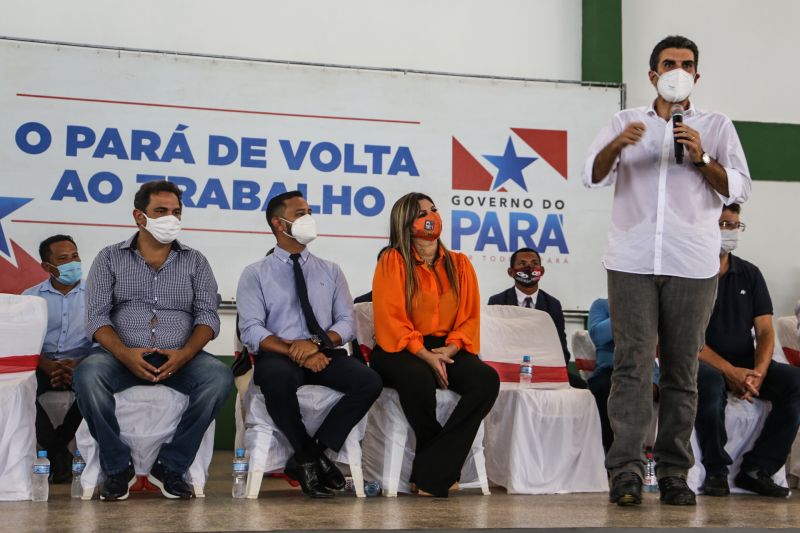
{"points": [[665, 216]]}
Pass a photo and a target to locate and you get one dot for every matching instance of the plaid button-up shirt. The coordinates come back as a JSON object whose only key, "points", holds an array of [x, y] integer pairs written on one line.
{"points": [[151, 308]]}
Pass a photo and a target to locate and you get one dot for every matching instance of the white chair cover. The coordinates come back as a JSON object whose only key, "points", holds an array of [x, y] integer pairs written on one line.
{"points": [[545, 442], [389, 445], [584, 352], [23, 324], [538, 441], [743, 423], [508, 332], [268, 447], [786, 330], [390, 442], [148, 416]]}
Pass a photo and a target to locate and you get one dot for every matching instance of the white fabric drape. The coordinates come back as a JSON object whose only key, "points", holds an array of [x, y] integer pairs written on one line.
{"points": [[148, 416], [23, 324]]}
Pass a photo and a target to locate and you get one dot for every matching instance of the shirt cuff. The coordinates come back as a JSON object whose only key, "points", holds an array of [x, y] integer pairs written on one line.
{"points": [[735, 186], [254, 336], [588, 169], [458, 343], [96, 324], [414, 346]]}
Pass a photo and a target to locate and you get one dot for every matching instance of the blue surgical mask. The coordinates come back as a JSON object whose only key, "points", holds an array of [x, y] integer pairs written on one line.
{"points": [[69, 273]]}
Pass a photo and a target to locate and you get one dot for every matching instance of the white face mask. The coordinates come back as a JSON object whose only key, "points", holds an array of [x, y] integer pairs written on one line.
{"points": [[163, 229], [304, 229], [675, 85], [730, 239]]}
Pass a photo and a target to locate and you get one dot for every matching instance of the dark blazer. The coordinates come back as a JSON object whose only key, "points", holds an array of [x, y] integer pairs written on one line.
{"points": [[544, 302]]}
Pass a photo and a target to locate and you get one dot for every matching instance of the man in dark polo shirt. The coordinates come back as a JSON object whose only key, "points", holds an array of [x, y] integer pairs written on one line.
{"points": [[729, 362]]}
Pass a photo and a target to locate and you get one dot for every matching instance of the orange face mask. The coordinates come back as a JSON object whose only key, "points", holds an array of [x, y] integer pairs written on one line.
{"points": [[428, 227]]}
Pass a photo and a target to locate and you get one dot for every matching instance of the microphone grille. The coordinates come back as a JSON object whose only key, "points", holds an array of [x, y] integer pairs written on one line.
{"points": [[676, 109]]}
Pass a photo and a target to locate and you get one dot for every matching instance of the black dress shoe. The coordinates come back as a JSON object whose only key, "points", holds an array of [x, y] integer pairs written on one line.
{"points": [[171, 483], [308, 475], [675, 491], [761, 483], [626, 489], [330, 474], [116, 486], [716, 485]]}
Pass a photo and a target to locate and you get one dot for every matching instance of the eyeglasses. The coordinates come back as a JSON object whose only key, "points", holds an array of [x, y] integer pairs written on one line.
{"points": [[726, 224]]}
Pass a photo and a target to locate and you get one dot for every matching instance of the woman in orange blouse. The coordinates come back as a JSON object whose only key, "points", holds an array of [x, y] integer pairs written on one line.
{"points": [[427, 327]]}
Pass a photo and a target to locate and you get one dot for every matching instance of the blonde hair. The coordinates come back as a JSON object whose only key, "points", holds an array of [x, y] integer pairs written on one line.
{"points": [[404, 212]]}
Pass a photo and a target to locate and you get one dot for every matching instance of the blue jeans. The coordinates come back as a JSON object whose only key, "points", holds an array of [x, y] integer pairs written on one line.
{"points": [[205, 380]]}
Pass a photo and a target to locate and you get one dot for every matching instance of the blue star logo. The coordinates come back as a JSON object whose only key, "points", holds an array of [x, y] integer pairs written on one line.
{"points": [[7, 206], [509, 166]]}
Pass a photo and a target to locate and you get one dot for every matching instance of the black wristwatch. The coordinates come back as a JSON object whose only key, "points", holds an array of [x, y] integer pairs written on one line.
{"points": [[316, 340], [704, 160]]}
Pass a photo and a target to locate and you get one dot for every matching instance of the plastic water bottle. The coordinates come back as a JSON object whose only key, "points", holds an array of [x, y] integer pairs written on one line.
{"points": [[41, 474], [372, 488], [650, 481], [78, 464], [525, 371], [240, 467]]}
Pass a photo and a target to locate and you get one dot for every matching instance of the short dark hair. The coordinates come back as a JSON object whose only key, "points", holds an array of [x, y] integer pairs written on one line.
{"points": [[673, 41], [142, 198], [277, 203], [44, 246], [524, 250], [733, 208]]}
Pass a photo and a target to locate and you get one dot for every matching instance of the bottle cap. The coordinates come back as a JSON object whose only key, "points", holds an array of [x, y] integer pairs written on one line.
{"points": [[77, 453], [649, 455], [526, 358], [41, 453], [239, 452]]}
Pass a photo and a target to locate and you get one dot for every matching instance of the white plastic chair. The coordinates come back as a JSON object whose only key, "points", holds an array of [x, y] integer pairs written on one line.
{"points": [[23, 324], [743, 424], [267, 447], [538, 441], [786, 330], [148, 416], [584, 351], [389, 442]]}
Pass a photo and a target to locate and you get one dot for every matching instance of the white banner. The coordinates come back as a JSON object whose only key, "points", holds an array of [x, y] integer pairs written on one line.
{"points": [[83, 127]]}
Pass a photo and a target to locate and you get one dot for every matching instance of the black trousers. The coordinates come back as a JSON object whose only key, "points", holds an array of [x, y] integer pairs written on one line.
{"points": [[600, 385], [279, 378], [441, 450], [781, 386], [50, 438]]}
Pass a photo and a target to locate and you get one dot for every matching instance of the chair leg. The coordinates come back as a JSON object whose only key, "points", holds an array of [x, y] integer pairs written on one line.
{"points": [[358, 480], [199, 491], [396, 454], [254, 484], [480, 468]]}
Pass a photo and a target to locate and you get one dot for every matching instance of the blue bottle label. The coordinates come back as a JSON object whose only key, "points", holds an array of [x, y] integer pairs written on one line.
{"points": [[41, 469], [77, 468], [240, 467]]}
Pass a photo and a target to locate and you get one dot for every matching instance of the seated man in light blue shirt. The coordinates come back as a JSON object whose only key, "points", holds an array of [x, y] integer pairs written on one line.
{"points": [[295, 312], [600, 381], [65, 345]]}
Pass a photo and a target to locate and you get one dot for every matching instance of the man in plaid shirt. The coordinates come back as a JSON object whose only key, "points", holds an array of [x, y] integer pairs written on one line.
{"points": [[151, 304]]}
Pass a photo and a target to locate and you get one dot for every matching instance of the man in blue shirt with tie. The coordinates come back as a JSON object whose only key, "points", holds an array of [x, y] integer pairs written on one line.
{"points": [[65, 345], [295, 312]]}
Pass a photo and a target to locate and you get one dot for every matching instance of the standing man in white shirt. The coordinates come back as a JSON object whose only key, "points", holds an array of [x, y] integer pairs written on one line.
{"points": [[662, 262]]}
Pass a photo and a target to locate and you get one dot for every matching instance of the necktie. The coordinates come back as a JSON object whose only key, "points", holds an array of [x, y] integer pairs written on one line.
{"points": [[305, 305], [528, 302]]}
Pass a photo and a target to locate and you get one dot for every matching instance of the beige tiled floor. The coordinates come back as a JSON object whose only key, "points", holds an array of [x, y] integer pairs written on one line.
{"points": [[281, 507]]}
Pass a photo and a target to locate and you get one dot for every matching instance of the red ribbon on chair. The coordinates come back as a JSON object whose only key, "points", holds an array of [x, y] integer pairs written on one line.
{"points": [[509, 373], [585, 364], [792, 355], [18, 363]]}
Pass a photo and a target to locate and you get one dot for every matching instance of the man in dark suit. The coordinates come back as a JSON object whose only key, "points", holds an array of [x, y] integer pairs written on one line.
{"points": [[526, 270]]}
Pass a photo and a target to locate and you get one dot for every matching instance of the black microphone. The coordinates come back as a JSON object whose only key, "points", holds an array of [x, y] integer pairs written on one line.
{"points": [[677, 118]]}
